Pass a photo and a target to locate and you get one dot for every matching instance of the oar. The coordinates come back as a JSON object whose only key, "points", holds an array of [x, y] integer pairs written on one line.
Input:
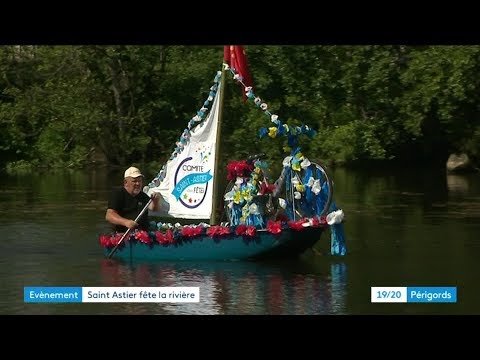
{"points": [[128, 230]]}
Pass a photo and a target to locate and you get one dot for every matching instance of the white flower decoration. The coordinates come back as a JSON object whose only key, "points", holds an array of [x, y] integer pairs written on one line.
{"points": [[308, 223], [286, 162], [254, 209], [316, 187], [335, 217], [310, 181], [229, 195], [238, 181], [305, 163]]}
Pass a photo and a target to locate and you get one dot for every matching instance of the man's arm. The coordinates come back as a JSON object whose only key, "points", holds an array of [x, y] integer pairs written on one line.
{"points": [[114, 218], [155, 204]]}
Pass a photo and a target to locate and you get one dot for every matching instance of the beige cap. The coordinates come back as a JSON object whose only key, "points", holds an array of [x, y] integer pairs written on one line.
{"points": [[132, 172]]}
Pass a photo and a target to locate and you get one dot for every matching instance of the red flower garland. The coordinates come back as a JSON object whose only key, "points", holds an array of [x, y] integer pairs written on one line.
{"points": [[274, 227], [116, 239], [167, 238], [240, 230], [188, 231], [143, 237], [297, 225], [245, 230], [251, 231], [160, 238]]}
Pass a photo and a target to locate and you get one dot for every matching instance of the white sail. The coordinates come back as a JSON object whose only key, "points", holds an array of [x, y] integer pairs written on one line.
{"points": [[187, 188]]}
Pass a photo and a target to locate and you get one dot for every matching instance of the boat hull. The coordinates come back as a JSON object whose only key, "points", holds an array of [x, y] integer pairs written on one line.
{"points": [[287, 244]]}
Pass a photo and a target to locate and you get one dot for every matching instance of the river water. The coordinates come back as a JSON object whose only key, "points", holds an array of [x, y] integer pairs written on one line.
{"points": [[404, 227]]}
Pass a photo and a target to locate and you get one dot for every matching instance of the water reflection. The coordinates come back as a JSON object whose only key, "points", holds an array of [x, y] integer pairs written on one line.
{"points": [[457, 183], [404, 227], [228, 288]]}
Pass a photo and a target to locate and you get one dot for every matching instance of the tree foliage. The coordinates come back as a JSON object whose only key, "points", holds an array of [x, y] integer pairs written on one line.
{"points": [[72, 106]]}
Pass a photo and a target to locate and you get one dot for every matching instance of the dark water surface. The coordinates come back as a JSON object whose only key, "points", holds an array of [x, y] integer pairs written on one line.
{"points": [[403, 228]]}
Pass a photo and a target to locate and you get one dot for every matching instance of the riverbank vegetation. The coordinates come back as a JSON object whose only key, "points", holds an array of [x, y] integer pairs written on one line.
{"points": [[78, 106]]}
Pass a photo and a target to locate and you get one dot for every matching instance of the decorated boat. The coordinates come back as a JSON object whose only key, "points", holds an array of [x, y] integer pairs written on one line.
{"points": [[262, 216]]}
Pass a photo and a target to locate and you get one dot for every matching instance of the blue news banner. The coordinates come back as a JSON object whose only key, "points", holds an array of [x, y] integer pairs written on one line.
{"points": [[51, 294], [425, 294]]}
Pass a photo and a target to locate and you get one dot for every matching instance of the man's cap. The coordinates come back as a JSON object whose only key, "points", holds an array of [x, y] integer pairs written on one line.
{"points": [[132, 172]]}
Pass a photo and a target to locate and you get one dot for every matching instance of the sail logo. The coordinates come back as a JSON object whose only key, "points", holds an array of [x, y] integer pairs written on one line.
{"points": [[191, 184]]}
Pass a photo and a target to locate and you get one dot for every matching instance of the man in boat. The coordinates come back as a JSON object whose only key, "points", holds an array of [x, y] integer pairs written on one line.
{"points": [[126, 203]]}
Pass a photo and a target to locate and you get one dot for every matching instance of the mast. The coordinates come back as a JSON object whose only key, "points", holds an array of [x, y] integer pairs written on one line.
{"points": [[213, 217]]}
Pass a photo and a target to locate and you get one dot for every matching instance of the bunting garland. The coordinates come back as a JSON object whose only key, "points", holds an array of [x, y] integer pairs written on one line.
{"points": [[185, 136], [292, 132]]}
